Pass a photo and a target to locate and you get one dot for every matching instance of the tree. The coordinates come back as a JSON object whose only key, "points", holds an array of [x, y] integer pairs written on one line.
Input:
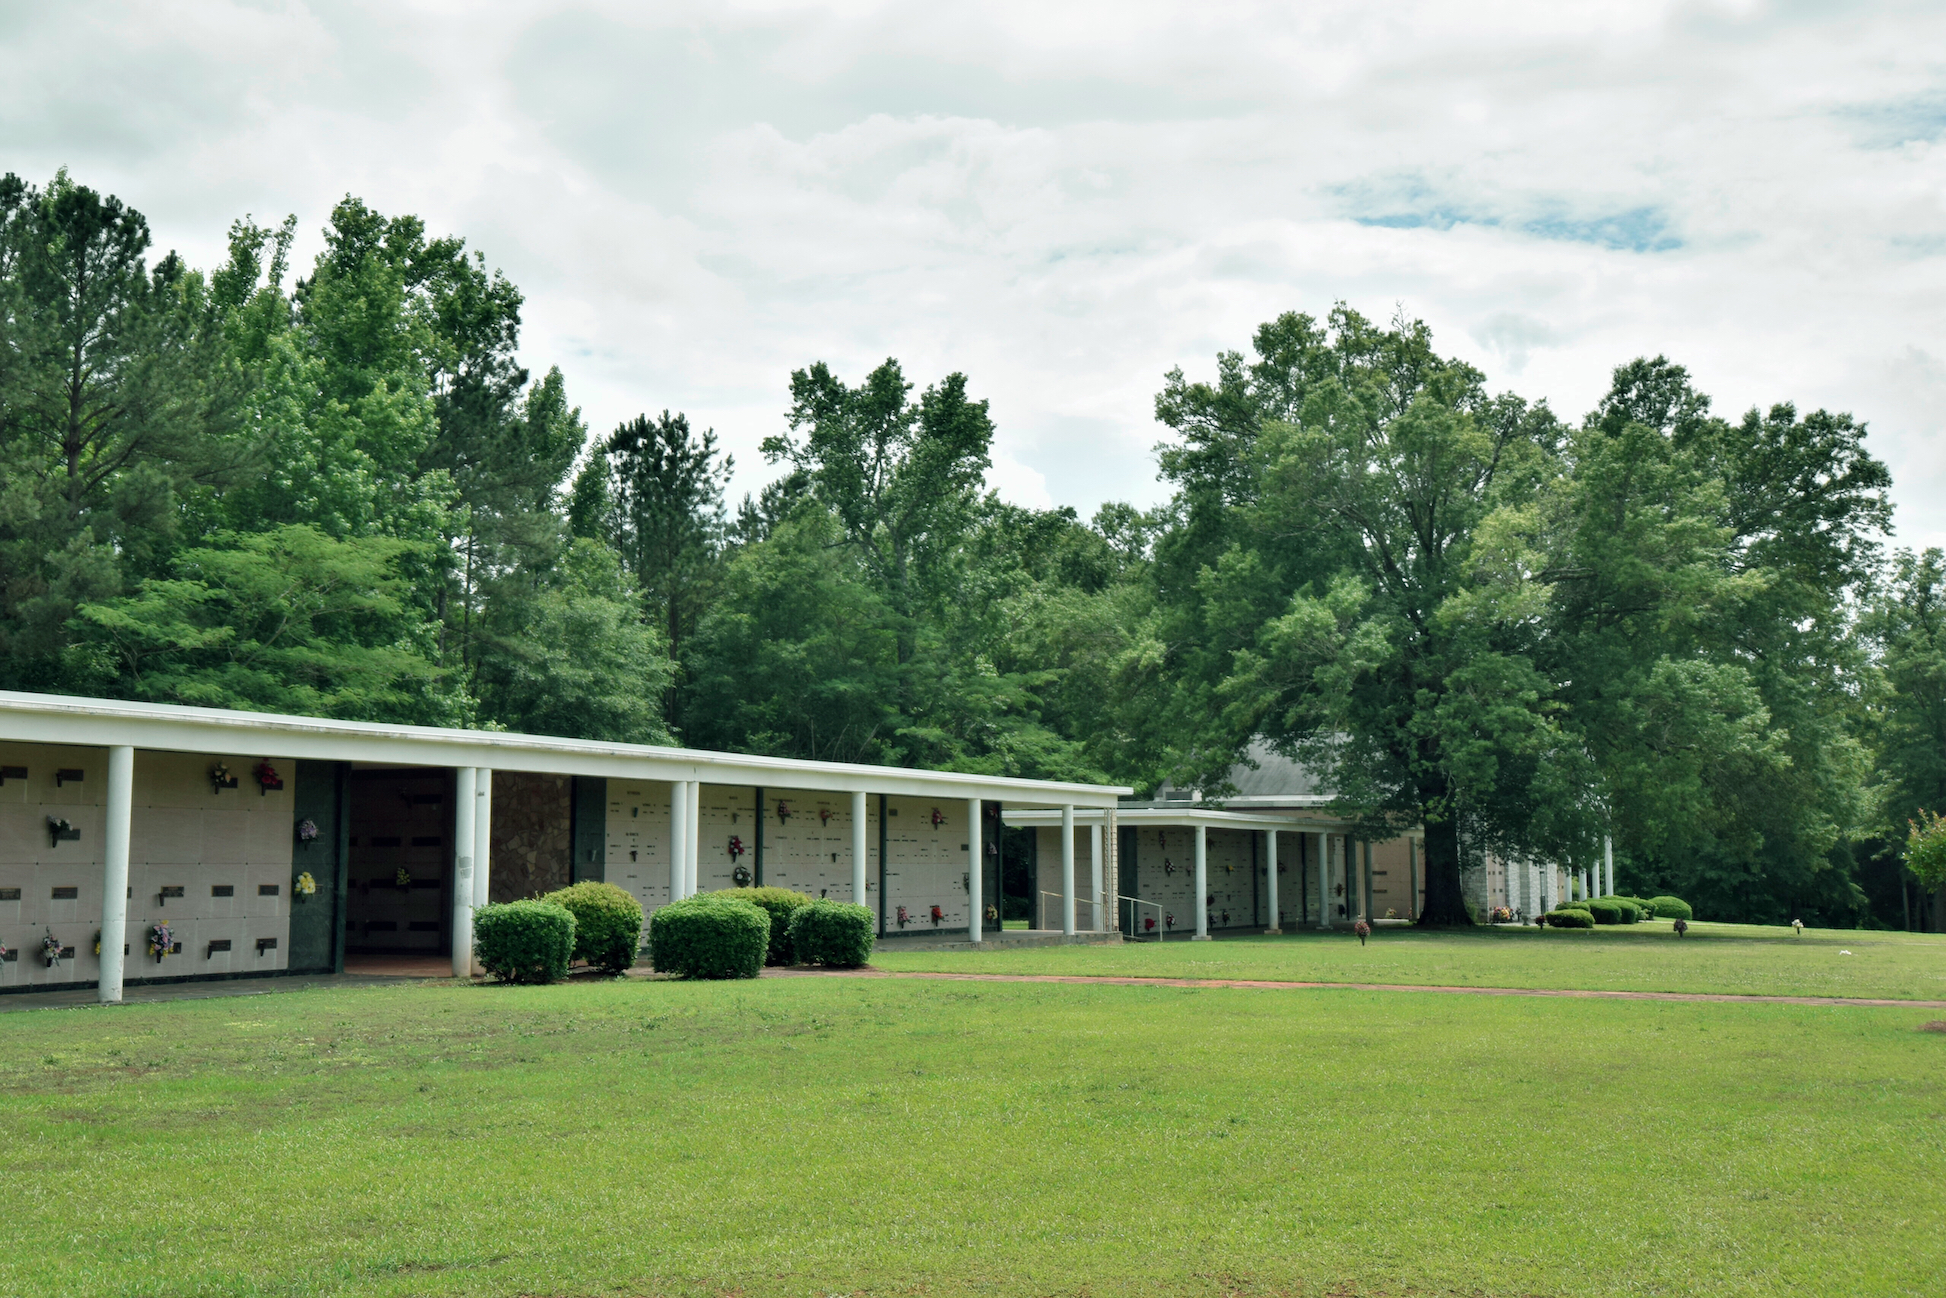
{"points": [[289, 620], [1406, 680], [902, 478], [117, 406], [1905, 623], [572, 655], [1704, 576]]}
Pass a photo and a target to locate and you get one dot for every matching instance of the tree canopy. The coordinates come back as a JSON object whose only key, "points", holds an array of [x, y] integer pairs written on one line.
{"points": [[340, 491]]}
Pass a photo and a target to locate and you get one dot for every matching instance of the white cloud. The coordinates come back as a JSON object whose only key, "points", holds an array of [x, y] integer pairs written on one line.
{"points": [[1064, 201]]}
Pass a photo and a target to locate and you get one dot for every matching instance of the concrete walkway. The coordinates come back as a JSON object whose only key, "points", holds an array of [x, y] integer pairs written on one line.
{"points": [[360, 971], [1252, 983]]}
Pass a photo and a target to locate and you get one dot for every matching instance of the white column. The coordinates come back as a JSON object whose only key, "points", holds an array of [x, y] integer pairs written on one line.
{"points": [[692, 842], [1111, 882], [1324, 881], [975, 898], [859, 818], [1067, 870], [465, 813], [114, 871], [1608, 864], [678, 850], [1364, 870], [1202, 884], [1095, 876], [1270, 867], [483, 840]]}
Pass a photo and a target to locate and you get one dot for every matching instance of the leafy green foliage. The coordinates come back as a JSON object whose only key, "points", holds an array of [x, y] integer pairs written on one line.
{"points": [[834, 933], [709, 935], [779, 904], [1671, 908], [1605, 911], [288, 620], [524, 941], [1569, 917], [607, 923], [1925, 852]]}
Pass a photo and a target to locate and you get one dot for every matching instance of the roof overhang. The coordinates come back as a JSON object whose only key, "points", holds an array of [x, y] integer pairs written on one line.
{"points": [[58, 719], [1298, 820]]}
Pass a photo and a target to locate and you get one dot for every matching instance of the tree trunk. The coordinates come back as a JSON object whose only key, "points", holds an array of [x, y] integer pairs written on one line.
{"points": [[1445, 904]]}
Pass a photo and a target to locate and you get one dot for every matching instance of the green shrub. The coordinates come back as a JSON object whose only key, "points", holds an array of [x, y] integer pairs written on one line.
{"points": [[780, 904], [835, 933], [1671, 908], [1631, 909], [1604, 911], [709, 936], [1570, 917], [524, 941], [607, 923]]}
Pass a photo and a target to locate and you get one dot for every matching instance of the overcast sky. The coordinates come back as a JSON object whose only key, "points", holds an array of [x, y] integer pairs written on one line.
{"points": [[1064, 201]]}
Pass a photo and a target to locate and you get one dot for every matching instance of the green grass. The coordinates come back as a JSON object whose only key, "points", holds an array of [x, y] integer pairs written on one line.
{"points": [[1737, 959], [814, 1136]]}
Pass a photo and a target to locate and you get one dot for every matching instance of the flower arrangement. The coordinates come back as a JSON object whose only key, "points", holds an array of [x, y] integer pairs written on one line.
{"points": [[783, 811], [824, 815], [993, 912], [937, 915], [938, 818], [220, 778], [741, 876], [307, 830], [303, 886], [403, 879], [267, 777], [903, 917], [1148, 923], [1168, 919], [161, 942], [51, 949], [736, 846]]}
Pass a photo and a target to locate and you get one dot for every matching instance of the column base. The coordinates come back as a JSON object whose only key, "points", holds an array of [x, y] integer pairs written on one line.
{"points": [[1202, 937], [1273, 932]]}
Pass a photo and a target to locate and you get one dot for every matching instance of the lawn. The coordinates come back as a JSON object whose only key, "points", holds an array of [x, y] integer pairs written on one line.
{"points": [[815, 1136], [1739, 959]]}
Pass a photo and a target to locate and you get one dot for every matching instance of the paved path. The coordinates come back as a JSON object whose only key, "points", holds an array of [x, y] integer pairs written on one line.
{"points": [[1364, 987]]}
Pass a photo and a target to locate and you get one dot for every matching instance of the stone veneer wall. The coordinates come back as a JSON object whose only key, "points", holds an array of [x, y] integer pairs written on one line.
{"points": [[532, 834]]}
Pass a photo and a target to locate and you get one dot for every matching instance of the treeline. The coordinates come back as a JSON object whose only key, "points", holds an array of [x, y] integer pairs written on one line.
{"points": [[338, 493]]}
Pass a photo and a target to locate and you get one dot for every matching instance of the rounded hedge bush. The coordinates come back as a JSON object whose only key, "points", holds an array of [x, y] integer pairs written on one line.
{"points": [[709, 936], [834, 933], [1570, 917], [524, 941], [1671, 908], [1631, 909], [780, 904], [1604, 911], [607, 923]]}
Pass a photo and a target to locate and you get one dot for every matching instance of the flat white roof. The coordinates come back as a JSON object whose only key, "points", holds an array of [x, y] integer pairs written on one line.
{"points": [[1294, 821], [59, 719]]}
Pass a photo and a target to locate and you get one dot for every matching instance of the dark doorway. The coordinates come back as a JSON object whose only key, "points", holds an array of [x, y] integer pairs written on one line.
{"points": [[400, 862], [1018, 844]]}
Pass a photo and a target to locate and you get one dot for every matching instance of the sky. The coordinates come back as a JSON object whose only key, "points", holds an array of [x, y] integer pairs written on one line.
{"points": [[1064, 201]]}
